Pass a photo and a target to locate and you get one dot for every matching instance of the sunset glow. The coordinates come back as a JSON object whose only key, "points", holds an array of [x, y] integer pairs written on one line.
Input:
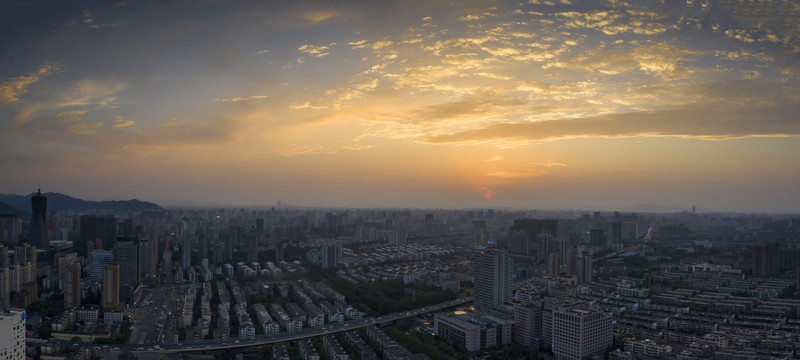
{"points": [[542, 104]]}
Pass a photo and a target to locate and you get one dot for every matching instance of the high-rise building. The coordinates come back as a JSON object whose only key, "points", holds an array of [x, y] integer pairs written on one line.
{"points": [[260, 226], [97, 260], [126, 256], [10, 229], [584, 269], [218, 251], [97, 232], [615, 233], [331, 254], [52, 227], [186, 252], [278, 252], [202, 247], [110, 298], [765, 259], [148, 258], [72, 286], [554, 264], [527, 323], [493, 272], [544, 247], [597, 238], [38, 234], [562, 246], [252, 255], [522, 235], [12, 334], [580, 333], [228, 249], [572, 261]]}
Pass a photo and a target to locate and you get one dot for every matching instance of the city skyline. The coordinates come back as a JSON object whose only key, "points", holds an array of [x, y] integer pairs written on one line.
{"points": [[543, 104]]}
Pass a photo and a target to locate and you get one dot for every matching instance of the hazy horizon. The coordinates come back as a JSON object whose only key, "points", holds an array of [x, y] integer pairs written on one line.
{"points": [[541, 104]]}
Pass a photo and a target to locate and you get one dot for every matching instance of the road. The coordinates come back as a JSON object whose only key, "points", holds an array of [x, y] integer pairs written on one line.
{"points": [[266, 339]]}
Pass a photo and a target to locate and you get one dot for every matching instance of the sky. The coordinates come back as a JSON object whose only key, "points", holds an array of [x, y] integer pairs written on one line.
{"points": [[541, 104]]}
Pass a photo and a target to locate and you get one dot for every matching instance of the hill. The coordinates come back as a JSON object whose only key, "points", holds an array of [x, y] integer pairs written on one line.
{"points": [[59, 202]]}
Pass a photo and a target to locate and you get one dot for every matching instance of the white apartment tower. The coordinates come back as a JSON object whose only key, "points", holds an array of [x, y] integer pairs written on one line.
{"points": [[578, 333], [12, 334], [492, 273]]}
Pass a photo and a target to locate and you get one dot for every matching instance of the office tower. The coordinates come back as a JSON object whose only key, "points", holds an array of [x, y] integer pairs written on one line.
{"points": [[544, 247], [584, 269], [580, 333], [148, 258], [10, 229], [218, 253], [597, 238], [527, 323], [260, 226], [630, 231], [110, 298], [765, 259], [572, 261], [72, 286], [202, 246], [186, 252], [554, 264], [12, 334], [492, 272], [331, 255], [252, 255], [126, 228], [38, 232], [96, 230], [236, 233], [125, 255], [228, 249], [615, 233], [278, 252], [97, 260], [52, 227]]}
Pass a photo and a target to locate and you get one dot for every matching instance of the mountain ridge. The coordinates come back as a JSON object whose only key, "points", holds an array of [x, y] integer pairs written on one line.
{"points": [[60, 202]]}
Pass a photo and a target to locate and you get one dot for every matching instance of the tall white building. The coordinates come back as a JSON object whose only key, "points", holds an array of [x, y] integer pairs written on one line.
{"points": [[12, 334], [492, 272], [578, 333]]}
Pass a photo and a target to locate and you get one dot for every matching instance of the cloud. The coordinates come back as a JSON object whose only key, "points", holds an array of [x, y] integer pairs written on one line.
{"points": [[708, 121], [262, 51], [306, 150], [90, 92], [12, 89], [238, 99], [87, 21], [513, 174], [664, 60], [307, 105], [318, 16], [316, 51], [121, 122], [495, 158]]}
